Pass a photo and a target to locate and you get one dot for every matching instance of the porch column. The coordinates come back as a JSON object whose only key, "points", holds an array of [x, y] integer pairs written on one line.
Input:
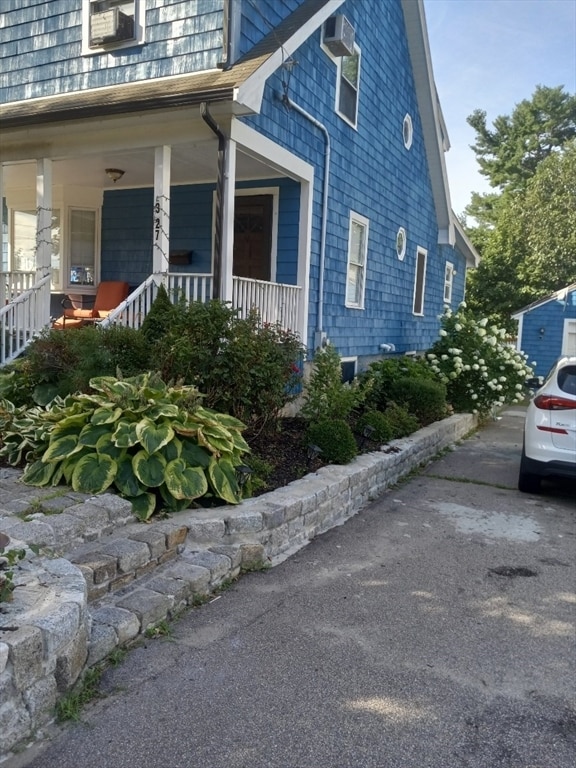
{"points": [[44, 220], [161, 230], [228, 191]]}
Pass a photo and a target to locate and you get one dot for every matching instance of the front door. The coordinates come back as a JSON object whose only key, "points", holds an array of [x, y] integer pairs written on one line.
{"points": [[253, 236]]}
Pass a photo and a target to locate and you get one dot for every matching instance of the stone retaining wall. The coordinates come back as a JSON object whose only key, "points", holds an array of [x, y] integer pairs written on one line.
{"points": [[120, 577]]}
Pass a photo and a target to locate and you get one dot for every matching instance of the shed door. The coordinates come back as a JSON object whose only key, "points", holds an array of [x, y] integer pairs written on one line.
{"points": [[569, 338], [253, 236]]}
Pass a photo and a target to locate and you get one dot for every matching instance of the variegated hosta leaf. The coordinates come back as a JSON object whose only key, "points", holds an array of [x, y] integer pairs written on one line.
{"points": [[113, 387], [106, 415], [185, 482], [194, 455], [172, 504], [188, 428], [230, 422], [143, 506], [167, 410], [149, 469], [61, 448], [125, 435], [94, 473], [151, 436], [70, 424], [39, 473], [126, 481], [216, 445], [91, 433], [106, 445], [223, 480], [240, 444], [172, 450]]}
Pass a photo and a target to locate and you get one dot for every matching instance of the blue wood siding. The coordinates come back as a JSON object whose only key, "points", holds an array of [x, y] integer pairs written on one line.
{"points": [[259, 17], [371, 173], [543, 329], [41, 46], [126, 251]]}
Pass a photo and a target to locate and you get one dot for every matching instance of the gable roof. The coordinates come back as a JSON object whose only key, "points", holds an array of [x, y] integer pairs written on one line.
{"points": [[559, 295]]}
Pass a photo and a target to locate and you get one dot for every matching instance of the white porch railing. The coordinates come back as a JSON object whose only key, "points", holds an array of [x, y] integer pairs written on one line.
{"points": [[23, 318], [277, 303], [15, 282], [134, 309]]}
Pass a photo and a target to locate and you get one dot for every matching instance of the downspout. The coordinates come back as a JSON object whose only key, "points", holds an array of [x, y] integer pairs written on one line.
{"points": [[220, 182], [320, 339]]}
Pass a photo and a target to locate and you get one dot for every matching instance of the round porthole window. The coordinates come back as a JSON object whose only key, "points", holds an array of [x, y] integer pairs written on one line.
{"points": [[407, 131], [401, 243]]}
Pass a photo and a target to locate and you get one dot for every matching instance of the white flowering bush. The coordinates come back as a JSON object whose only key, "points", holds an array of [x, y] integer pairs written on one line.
{"points": [[479, 369]]}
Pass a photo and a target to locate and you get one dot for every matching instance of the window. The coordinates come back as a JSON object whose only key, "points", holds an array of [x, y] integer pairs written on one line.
{"points": [[75, 245], [111, 24], [23, 242], [448, 282], [401, 243], [419, 282], [82, 246], [407, 131], [348, 368], [347, 86], [356, 272]]}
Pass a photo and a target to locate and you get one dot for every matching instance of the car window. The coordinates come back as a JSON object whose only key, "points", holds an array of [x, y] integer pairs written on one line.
{"points": [[567, 379]]}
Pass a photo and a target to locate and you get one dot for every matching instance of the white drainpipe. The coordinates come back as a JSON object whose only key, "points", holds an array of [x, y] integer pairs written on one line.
{"points": [[320, 339]]}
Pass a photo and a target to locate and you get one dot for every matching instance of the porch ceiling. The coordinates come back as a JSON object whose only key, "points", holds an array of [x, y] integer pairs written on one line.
{"points": [[191, 164]]}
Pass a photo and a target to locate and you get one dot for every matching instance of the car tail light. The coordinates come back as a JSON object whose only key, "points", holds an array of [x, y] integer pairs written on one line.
{"points": [[554, 403]]}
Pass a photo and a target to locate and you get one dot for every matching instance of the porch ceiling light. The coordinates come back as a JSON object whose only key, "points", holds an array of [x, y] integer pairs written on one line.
{"points": [[114, 174]]}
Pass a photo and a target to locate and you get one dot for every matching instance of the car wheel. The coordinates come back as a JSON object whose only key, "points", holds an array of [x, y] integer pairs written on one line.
{"points": [[527, 482]]}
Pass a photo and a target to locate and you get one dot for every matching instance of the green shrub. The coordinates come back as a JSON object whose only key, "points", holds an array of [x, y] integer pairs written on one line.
{"points": [[155, 444], [421, 397], [160, 318], [402, 423], [379, 422], [335, 440], [377, 382], [326, 395], [243, 367], [61, 362], [472, 359]]}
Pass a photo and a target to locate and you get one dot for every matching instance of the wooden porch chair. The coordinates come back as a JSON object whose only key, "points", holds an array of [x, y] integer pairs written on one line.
{"points": [[109, 294]]}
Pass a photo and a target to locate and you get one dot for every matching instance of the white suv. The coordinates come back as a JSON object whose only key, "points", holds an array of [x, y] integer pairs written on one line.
{"points": [[550, 429]]}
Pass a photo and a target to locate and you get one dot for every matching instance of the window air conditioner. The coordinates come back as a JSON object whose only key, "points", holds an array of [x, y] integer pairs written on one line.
{"points": [[339, 36], [110, 27]]}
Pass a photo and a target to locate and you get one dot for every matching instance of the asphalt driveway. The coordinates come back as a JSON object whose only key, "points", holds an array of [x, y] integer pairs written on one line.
{"points": [[433, 630]]}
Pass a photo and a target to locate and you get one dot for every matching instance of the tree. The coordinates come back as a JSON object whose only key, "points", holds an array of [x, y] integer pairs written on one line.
{"points": [[526, 231], [509, 155], [532, 249]]}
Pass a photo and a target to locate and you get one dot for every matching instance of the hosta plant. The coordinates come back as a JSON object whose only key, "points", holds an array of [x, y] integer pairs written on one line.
{"points": [[155, 444]]}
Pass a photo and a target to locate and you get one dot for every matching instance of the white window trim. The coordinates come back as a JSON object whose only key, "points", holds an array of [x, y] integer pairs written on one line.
{"points": [[344, 117], [363, 221], [139, 30], [407, 124], [401, 236], [419, 252], [448, 282]]}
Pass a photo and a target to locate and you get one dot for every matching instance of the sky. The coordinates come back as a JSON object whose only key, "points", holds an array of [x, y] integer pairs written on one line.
{"points": [[491, 55]]}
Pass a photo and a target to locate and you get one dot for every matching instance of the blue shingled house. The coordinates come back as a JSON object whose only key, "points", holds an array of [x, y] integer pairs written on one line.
{"points": [[547, 328], [280, 154]]}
